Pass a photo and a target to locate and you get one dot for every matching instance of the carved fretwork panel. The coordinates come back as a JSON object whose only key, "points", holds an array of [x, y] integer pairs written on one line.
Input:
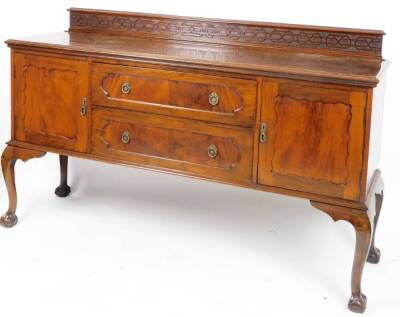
{"points": [[264, 34], [49, 99], [314, 138]]}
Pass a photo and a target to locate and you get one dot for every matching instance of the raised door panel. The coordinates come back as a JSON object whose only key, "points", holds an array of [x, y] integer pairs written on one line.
{"points": [[314, 140], [49, 93]]}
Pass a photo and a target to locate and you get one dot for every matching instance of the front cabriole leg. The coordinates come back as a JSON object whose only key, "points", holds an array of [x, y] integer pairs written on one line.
{"points": [[362, 225], [365, 228], [8, 159]]}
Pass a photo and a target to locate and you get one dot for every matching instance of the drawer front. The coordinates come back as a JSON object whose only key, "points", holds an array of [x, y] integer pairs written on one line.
{"points": [[203, 97], [173, 144]]}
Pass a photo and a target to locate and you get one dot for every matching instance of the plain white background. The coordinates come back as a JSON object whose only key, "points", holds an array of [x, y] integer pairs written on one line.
{"points": [[136, 243]]}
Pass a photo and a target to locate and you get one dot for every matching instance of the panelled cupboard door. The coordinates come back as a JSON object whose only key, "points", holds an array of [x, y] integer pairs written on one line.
{"points": [[314, 138], [49, 101]]}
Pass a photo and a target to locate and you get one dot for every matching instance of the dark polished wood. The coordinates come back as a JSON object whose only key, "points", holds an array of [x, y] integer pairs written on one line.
{"points": [[63, 190], [288, 109], [8, 159], [350, 41]]}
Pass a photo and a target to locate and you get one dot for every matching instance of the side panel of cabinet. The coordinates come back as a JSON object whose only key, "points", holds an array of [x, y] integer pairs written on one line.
{"points": [[48, 95], [315, 138]]}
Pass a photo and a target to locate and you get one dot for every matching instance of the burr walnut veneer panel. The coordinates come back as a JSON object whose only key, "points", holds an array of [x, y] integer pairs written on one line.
{"points": [[177, 144], [189, 95], [48, 97], [315, 138]]}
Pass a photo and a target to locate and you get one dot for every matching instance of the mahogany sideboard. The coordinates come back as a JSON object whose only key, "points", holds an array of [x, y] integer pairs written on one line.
{"points": [[289, 109]]}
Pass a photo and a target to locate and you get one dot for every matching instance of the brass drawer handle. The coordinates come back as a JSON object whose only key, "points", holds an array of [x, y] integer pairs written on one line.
{"points": [[212, 151], [126, 88], [126, 137], [213, 98]]}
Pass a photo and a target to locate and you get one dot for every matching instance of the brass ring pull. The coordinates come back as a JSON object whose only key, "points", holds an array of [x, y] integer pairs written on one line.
{"points": [[213, 98], [126, 137], [212, 151], [126, 88]]}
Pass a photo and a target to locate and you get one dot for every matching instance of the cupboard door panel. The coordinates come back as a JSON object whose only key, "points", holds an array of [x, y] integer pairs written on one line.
{"points": [[314, 138], [48, 100]]}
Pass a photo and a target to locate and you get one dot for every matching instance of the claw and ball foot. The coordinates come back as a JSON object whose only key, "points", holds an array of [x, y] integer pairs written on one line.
{"points": [[8, 220], [8, 159], [358, 304], [374, 255], [63, 190]]}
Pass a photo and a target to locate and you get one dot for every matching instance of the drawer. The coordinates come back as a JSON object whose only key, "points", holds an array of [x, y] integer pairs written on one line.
{"points": [[169, 143], [195, 96]]}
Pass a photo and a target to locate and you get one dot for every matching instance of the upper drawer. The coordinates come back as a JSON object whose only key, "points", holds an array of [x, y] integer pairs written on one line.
{"points": [[196, 96]]}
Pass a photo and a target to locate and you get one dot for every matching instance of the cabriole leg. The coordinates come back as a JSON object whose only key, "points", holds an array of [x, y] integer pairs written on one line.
{"points": [[63, 190], [362, 225], [8, 159]]}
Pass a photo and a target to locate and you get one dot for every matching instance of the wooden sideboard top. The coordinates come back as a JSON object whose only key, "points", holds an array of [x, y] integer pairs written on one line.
{"points": [[334, 55]]}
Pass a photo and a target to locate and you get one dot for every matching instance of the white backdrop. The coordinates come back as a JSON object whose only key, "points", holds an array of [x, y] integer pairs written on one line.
{"points": [[137, 243]]}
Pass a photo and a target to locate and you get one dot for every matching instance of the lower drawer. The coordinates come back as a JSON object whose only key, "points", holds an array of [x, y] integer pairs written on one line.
{"points": [[203, 149]]}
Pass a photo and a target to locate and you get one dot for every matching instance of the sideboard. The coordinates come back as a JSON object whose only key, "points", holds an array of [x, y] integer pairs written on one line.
{"points": [[289, 109]]}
